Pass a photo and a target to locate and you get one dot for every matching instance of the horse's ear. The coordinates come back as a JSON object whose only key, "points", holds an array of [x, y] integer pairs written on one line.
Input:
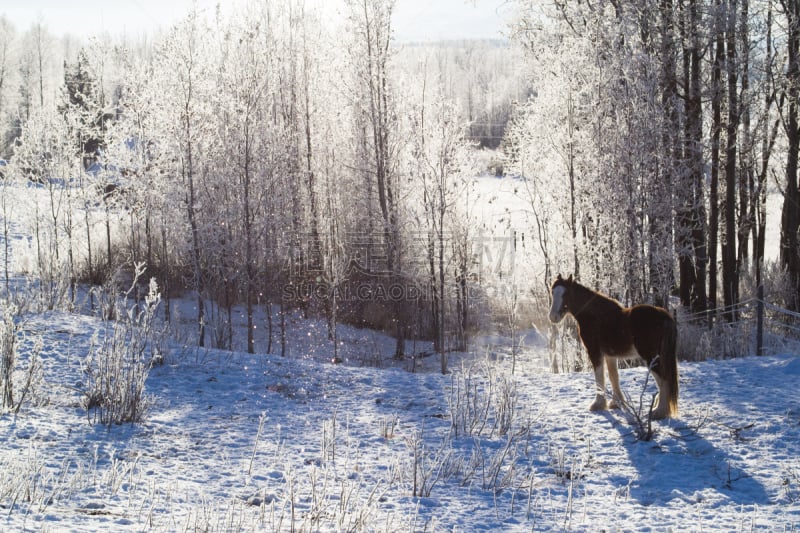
{"points": [[569, 280], [559, 278]]}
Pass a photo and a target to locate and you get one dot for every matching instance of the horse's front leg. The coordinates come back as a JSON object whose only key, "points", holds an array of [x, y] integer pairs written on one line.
{"points": [[613, 376], [599, 403]]}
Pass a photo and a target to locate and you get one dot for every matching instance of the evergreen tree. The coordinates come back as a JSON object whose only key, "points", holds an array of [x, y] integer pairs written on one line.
{"points": [[83, 100]]}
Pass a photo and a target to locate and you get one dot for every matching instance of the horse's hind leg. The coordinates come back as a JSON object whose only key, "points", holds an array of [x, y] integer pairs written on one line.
{"points": [[613, 377], [661, 408], [599, 403]]}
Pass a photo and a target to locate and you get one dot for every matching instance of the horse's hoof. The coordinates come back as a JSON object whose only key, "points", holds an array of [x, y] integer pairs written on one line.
{"points": [[599, 405], [614, 405], [658, 415]]}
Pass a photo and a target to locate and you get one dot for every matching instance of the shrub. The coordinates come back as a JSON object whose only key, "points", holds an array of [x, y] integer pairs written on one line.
{"points": [[10, 325], [8, 351], [118, 365]]}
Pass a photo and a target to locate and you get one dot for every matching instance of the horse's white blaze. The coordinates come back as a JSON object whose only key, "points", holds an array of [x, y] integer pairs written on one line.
{"points": [[558, 302]]}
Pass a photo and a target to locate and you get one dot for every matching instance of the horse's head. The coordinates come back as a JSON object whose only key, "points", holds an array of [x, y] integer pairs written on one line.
{"points": [[559, 292]]}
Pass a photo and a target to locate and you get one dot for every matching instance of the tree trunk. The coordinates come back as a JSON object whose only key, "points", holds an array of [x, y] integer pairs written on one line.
{"points": [[165, 289], [573, 218], [248, 235], [313, 205], [768, 141], [790, 216], [6, 245], [684, 194], [462, 300], [195, 233], [747, 193], [694, 119], [284, 340], [716, 130], [660, 208], [730, 271], [441, 238], [109, 262], [376, 26], [436, 326], [269, 326]]}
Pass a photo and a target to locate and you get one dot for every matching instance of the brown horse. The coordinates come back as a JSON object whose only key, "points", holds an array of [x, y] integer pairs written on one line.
{"points": [[610, 332]]}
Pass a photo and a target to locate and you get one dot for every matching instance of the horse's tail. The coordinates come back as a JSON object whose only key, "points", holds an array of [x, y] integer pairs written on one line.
{"points": [[669, 364]]}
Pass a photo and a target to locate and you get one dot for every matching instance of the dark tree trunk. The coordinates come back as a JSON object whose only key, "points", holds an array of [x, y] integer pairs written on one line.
{"points": [[695, 164], [790, 216], [195, 232], [684, 192], [730, 271], [660, 219], [768, 141], [377, 39], [436, 325], [250, 269], [716, 130], [747, 192]]}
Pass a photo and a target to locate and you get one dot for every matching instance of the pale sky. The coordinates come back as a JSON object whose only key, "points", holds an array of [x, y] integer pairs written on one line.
{"points": [[415, 20]]}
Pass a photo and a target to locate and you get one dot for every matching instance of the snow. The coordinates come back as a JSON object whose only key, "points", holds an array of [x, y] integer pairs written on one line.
{"points": [[336, 445]]}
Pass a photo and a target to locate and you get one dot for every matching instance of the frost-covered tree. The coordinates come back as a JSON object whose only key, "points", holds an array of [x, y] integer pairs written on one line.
{"points": [[183, 72], [436, 157], [326, 180], [550, 145], [630, 83], [373, 96], [7, 44], [44, 155], [84, 98], [790, 215], [83, 106], [37, 70], [244, 123], [145, 161]]}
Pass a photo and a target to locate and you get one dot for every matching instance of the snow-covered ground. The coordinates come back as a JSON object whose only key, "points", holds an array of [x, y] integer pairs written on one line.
{"points": [[254, 442]]}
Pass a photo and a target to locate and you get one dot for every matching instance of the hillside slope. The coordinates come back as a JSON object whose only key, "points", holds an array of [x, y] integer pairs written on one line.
{"points": [[234, 442]]}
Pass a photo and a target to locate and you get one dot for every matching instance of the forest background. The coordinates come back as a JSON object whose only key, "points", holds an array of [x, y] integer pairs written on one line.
{"points": [[265, 156]]}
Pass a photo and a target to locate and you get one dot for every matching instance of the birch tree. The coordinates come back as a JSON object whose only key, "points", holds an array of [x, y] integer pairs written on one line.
{"points": [[182, 70], [437, 154], [371, 52], [245, 79], [7, 43]]}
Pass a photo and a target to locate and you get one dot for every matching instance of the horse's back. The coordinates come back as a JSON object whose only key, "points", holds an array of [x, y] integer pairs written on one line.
{"points": [[643, 314]]}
